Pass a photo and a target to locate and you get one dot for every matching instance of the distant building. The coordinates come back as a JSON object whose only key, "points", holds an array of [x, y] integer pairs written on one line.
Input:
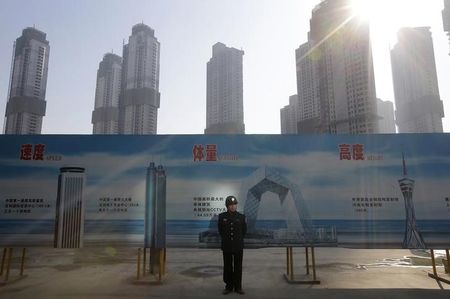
{"points": [[289, 116], [446, 17], [105, 117], [155, 207], [386, 123], [335, 75], [417, 100], [224, 92], [26, 104], [308, 116], [70, 208], [140, 97]]}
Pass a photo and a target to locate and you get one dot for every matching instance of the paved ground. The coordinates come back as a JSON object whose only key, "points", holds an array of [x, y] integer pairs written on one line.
{"points": [[196, 273]]}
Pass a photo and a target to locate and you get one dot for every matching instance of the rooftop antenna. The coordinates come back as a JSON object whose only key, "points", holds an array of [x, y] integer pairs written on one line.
{"points": [[405, 172]]}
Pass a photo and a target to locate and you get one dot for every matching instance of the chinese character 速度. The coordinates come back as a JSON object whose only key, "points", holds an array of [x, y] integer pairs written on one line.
{"points": [[26, 152], [39, 152]]}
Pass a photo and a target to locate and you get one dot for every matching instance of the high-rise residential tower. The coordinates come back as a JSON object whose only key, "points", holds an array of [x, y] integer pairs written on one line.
{"points": [[140, 97], [417, 100], [289, 116], [70, 208], [26, 99], [446, 17], [224, 91], [105, 117], [335, 75]]}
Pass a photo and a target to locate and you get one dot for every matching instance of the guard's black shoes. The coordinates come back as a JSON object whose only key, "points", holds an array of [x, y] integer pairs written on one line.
{"points": [[240, 291], [226, 291]]}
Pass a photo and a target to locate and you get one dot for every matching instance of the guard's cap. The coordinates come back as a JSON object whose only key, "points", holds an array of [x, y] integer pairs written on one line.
{"points": [[230, 200]]}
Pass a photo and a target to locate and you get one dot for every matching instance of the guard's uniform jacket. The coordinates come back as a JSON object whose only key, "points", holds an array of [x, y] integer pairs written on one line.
{"points": [[232, 229]]}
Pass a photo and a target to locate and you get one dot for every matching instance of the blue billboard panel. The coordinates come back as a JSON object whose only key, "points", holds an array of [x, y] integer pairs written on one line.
{"points": [[365, 191]]}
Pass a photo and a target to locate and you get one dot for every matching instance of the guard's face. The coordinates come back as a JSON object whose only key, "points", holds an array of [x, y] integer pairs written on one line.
{"points": [[232, 208]]}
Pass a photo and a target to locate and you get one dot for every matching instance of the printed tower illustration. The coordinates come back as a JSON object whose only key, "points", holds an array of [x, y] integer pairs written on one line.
{"points": [[413, 238]]}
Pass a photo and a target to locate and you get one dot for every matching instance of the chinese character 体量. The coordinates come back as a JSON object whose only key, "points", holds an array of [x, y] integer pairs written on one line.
{"points": [[197, 151], [211, 152]]}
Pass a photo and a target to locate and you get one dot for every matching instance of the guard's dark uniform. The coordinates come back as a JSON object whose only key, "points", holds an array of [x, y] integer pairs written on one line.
{"points": [[232, 228]]}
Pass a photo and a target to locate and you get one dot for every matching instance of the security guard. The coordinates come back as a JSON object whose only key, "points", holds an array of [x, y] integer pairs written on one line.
{"points": [[232, 229]]}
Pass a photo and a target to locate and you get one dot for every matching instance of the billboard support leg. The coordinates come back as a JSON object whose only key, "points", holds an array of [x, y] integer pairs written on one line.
{"points": [[138, 276], [3, 260], [161, 264], [290, 277], [22, 261], [307, 260], [435, 274], [8, 263], [447, 269], [144, 263]]}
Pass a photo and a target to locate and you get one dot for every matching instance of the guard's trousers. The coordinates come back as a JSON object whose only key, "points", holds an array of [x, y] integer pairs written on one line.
{"points": [[232, 270]]}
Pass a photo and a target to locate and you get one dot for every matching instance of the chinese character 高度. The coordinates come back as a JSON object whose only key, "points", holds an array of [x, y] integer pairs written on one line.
{"points": [[358, 152], [344, 152]]}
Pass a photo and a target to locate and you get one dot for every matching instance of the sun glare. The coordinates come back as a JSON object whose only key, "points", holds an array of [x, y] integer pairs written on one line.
{"points": [[387, 16]]}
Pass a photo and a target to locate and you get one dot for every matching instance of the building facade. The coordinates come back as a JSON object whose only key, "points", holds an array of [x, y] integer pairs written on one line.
{"points": [[140, 97], [289, 116], [446, 17], [26, 103], [70, 208], [224, 91], [419, 108], [105, 117], [386, 123], [335, 75]]}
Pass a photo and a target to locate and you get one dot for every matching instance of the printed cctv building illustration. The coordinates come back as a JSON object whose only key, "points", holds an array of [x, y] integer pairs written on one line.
{"points": [[413, 237], [299, 232], [155, 207], [70, 208]]}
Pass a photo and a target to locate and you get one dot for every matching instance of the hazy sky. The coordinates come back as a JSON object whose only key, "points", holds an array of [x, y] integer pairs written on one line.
{"points": [[269, 31]]}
